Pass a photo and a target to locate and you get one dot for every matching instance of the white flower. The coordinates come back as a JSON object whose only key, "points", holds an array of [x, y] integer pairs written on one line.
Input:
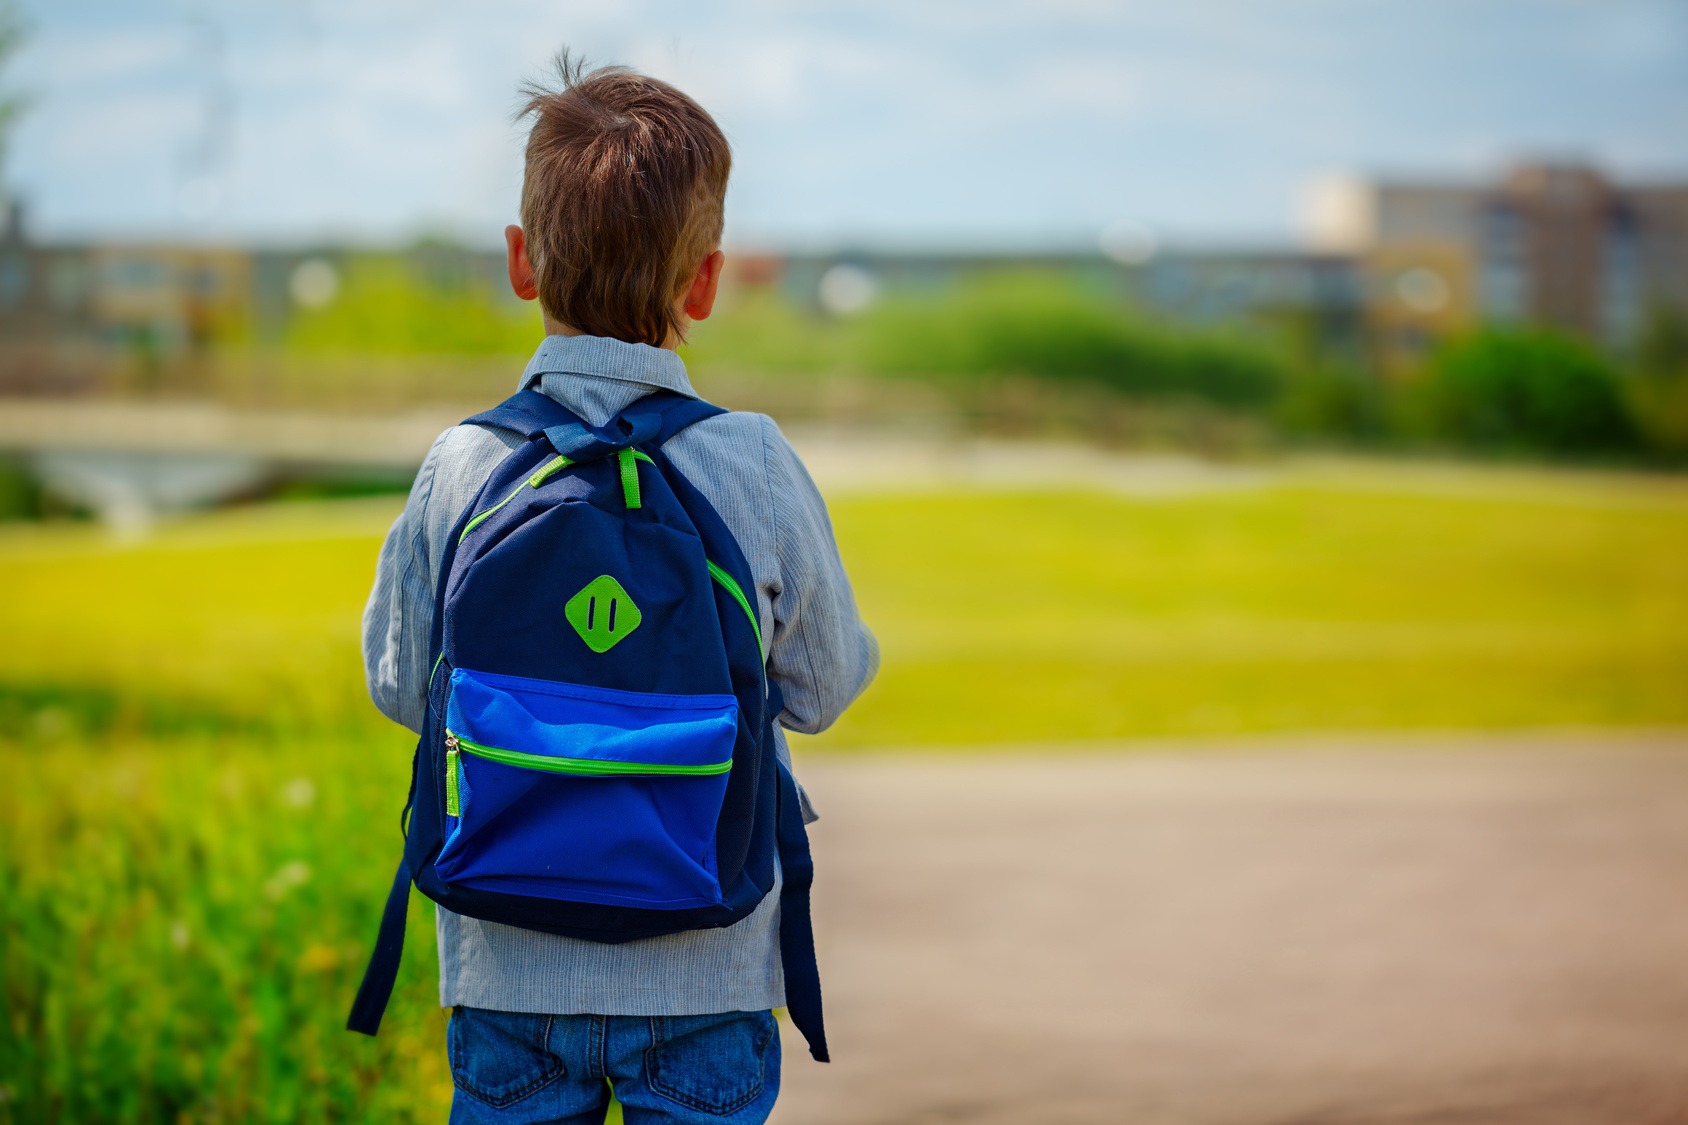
{"points": [[290, 875], [298, 793]]}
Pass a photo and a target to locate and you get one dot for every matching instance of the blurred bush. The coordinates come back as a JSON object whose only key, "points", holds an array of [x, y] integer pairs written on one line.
{"points": [[383, 308], [1017, 352], [1659, 396], [1522, 391], [1344, 402], [21, 496], [1052, 328], [760, 332]]}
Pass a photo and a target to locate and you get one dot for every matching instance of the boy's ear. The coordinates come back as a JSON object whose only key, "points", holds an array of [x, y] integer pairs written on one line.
{"points": [[521, 270], [700, 297]]}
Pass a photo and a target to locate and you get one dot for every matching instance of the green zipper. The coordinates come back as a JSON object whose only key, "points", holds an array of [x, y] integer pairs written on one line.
{"points": [[537, 479], [591, 767], [733, 588], [545, 470]]}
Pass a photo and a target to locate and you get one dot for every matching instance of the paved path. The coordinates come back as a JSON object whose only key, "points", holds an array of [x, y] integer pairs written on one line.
{"points": [[1477, 930]]}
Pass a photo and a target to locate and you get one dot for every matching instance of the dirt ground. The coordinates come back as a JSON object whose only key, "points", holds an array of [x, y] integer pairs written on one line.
{"points": [[1476, 929]]}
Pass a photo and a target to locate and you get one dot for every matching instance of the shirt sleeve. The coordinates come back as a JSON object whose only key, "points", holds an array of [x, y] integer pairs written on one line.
{"points": [[398, 622], [820, 653], [399, 616]]}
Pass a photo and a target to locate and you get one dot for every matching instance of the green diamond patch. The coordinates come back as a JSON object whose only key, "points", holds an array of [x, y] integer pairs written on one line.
{"points": [[602, 613]]}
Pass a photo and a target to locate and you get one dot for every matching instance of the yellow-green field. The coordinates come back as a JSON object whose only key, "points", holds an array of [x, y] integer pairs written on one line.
{"points": [[200, 808]]}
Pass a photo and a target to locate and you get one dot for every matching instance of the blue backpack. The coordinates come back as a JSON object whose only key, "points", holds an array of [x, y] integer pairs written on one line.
{"points": [[598, 758]]}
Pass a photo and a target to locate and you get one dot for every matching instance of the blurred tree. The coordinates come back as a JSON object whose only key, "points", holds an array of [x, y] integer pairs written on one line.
{"points": [[1663, 348], [1526, 391], [1659, 397], [13, 32]]}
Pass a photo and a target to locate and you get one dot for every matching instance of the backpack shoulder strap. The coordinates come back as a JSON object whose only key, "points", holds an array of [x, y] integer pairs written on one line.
{"points": [[530, 413], [678, 412], [527, 412]]}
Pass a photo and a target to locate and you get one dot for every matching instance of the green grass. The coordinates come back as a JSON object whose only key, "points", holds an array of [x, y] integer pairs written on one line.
{"points": [[185, 919], [199, 803], [1316, 605]]}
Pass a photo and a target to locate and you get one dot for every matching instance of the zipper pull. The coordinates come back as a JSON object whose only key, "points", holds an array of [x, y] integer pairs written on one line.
{"points": [[453, 792]]}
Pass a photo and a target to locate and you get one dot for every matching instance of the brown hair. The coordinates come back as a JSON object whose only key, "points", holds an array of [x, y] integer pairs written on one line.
{"points": [[622, 198]]}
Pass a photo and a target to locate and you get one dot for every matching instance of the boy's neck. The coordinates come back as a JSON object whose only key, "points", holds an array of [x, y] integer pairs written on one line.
{"points": [[558, 328]]}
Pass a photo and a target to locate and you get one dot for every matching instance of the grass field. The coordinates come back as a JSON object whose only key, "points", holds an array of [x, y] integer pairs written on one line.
{"points": [[199, 807]]}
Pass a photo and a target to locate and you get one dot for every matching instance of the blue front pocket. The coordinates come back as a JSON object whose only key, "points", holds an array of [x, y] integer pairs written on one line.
{"points": [[585, 794]]}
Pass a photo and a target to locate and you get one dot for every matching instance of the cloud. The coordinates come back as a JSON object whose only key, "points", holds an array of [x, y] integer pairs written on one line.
{"points": [[64, 62], [778, 74], [1012, 116], [115, 130]]}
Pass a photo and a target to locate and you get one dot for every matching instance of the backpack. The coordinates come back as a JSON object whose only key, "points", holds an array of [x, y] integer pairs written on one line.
{"points": [[597, 759]]}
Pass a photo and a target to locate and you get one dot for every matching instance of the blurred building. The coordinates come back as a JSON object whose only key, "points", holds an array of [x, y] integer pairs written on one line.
{"points": [[75, 315], [1394, 268], [1558, 245], [66, 309], [1316, 297]]}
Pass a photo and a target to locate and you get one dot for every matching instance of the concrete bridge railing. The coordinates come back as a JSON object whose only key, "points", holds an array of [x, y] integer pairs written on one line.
{"points": [[130, 461]]}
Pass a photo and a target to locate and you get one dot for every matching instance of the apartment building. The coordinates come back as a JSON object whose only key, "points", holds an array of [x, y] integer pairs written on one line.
{"points": [[1560, 245]]}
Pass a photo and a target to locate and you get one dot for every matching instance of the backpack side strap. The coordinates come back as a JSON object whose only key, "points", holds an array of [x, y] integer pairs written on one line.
{"points": [[377, 986], [797, 930]]}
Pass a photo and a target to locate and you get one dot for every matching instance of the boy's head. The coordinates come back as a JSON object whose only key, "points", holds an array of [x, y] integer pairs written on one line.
{"points": [[621, 205]]}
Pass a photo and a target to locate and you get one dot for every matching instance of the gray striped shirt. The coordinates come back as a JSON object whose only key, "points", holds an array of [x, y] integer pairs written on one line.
{"points": [[817, 649]]}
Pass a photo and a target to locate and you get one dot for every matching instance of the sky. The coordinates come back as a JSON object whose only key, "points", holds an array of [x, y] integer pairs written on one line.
{"points": [[929, 123]]}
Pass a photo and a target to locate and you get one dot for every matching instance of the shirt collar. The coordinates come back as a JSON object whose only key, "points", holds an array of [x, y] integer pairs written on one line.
{"points": [[601, 357]]}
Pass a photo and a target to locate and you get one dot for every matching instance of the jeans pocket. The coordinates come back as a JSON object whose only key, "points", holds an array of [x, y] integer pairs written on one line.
{"points": [[501, 1057], [716, 1064]]}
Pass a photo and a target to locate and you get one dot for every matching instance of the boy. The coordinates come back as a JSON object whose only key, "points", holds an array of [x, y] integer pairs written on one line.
{"points": [[621, 222]]}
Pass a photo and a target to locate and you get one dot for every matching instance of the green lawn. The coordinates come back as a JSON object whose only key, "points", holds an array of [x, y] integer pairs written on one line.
{"points": [[200, 806], [1320, 604]]}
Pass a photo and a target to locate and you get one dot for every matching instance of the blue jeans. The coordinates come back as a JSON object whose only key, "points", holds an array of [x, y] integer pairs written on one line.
{"points": [[512, 1068]]}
